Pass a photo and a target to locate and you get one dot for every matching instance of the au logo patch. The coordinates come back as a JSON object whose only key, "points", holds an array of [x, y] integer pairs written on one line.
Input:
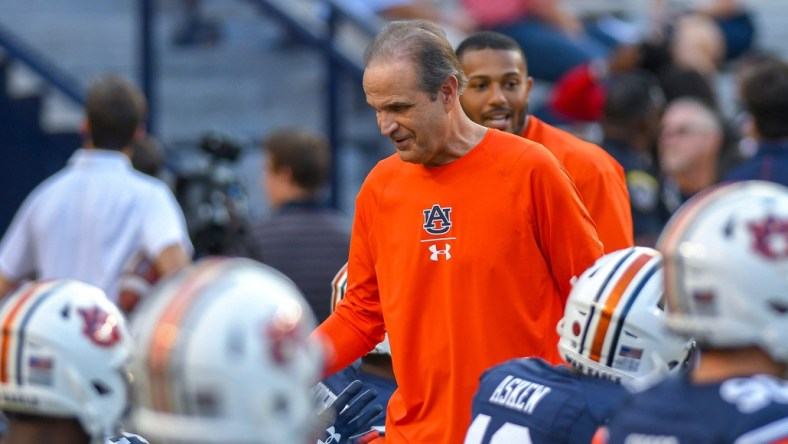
{"points": [[100, 326], [437, 220], [770, 238]]}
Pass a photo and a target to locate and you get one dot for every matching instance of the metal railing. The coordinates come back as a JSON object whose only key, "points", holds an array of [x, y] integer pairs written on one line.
{"points": [[16, 49], [322, 34], [317, 32]]}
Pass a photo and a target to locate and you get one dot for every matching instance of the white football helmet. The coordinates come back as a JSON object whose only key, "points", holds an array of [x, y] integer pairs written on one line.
{"points": [[223, 355], [65, 347], [613, 324], [338, 289], [726, 267]]}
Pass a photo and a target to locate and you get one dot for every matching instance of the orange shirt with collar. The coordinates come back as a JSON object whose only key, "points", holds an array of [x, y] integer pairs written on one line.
{"points": [[465, 265], [599, 178]]}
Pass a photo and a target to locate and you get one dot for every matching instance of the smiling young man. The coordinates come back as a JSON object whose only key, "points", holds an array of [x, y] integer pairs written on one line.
{"points": [[464, 239], [497, 97]]}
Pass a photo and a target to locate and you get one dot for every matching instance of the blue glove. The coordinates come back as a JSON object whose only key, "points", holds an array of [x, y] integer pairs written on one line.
{"points": [[355, 415]]}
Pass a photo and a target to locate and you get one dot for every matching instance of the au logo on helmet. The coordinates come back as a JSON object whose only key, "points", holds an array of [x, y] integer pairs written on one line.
{"points": [[100, 326], [437, 219], [770, 238]]}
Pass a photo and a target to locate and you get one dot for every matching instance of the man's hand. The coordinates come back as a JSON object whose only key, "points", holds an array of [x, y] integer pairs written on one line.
{"points": [[348, 419]]}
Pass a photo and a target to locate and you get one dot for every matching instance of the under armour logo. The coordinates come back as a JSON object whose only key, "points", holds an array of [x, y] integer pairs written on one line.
{"points": [[436, 252], [333, 436]]}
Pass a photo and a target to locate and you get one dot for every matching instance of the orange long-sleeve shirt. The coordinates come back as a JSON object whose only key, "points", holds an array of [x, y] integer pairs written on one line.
{"points": [[465, 265], [599, 178]]}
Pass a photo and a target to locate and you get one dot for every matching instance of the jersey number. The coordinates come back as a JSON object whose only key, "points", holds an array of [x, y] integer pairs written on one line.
{"points": [[508, 433]]}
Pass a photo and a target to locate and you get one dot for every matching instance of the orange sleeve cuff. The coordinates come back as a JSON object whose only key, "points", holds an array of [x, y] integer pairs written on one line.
{"points": [[341, 342]]}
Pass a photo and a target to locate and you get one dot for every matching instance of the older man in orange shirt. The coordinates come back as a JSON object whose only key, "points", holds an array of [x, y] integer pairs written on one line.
{"points": [[497, 97], [464, 242]]}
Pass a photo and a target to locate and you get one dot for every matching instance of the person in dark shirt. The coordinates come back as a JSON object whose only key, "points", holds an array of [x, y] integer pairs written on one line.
{"points": [[303, 238], [629, 126], [764, 92]]}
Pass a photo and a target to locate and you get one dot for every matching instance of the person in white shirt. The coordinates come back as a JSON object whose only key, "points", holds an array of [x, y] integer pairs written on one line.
{"points": [[90, 220]]}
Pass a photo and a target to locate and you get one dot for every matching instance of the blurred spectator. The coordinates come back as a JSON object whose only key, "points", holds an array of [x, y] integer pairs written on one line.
{"points": [[545, 29], [303, 237], [454, 19], [764, 91], [686, 49], [89, 220], [677, 82], [629, 126], [195, 28], [693, 148], [147, 156], [702, 34], [581, 93]]}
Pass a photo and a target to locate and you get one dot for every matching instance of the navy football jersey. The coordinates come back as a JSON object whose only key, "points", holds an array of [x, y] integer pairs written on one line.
{"points": [[529, 400], [745, 410], [328, 389]]}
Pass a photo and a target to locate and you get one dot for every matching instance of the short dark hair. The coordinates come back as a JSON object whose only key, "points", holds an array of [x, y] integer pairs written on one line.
{"points": [[423, 44], [632, 97], [678, 82], [115, 109], [302, 152], [765, 95], [490, 40]]}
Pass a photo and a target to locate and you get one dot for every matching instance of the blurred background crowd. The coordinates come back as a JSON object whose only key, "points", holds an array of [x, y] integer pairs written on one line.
{"points": [[233, 86]]}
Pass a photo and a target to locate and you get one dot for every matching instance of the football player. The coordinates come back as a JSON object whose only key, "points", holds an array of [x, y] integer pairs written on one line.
{"points": [[726, 284], [374, 370], [62, 365], [222, 355], [612, 335]]}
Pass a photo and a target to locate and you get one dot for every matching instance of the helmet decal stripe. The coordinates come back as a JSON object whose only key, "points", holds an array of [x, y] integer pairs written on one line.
{"points": [[622, 317], [8, 321], [165, 335], [678, 228], [591, 315], [39, 299], [612, 302]]}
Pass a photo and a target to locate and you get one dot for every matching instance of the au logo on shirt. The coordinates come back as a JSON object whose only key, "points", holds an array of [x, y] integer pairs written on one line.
{"points": [[437, 219]]}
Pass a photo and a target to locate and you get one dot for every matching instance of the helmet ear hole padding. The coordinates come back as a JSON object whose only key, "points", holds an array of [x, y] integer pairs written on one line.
{"points": [[613, 326]]}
